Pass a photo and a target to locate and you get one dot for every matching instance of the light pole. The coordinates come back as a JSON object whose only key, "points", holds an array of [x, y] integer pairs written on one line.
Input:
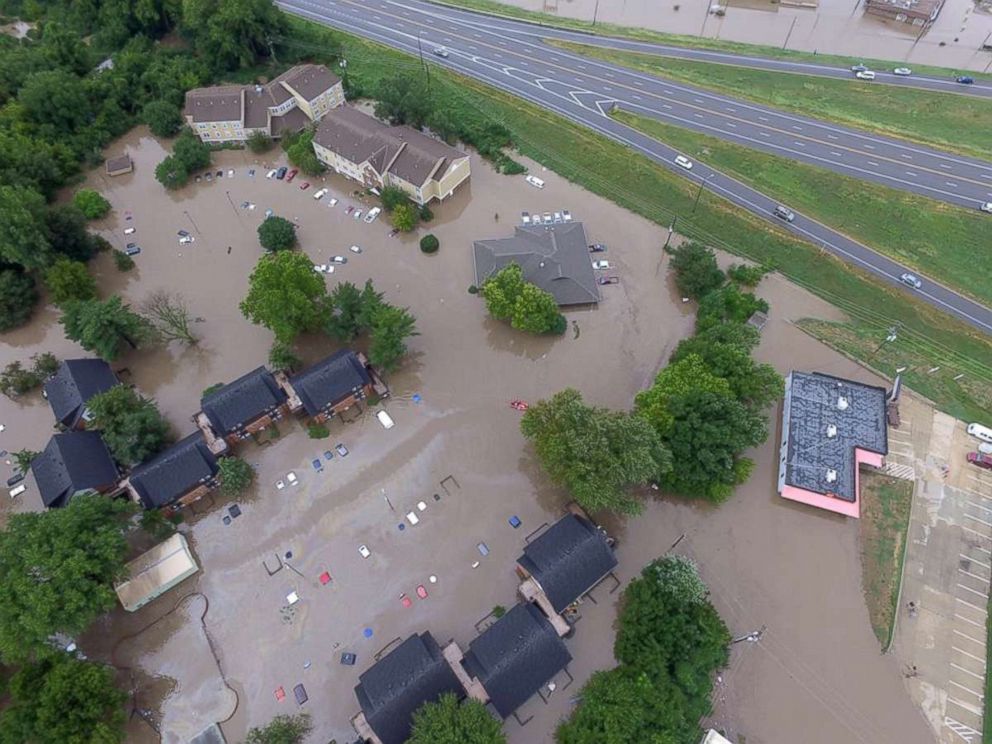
{"points": [[892, 335], [700, 192]]}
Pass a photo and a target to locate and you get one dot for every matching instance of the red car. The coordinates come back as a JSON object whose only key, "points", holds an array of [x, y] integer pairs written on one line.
{"points": [[982, 461], [291, 175], [304, 186], [349, 210]]}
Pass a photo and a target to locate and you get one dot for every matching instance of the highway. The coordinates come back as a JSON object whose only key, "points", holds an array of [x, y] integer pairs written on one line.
{"points": [[583, 90]]}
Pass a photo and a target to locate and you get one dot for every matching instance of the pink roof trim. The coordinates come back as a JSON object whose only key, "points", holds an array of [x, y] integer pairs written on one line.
{"points": [[830, 503]]}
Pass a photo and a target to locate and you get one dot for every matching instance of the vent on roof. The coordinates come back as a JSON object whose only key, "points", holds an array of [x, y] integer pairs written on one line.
{"points": [[541, 264], [842, 403], [831, 475], [831, 431]]}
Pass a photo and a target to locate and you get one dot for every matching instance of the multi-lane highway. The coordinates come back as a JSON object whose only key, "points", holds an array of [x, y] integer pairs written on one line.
{"points": [[582, 90]]}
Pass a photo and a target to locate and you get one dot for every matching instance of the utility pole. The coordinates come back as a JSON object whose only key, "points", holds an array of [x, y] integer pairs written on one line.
{"points": [[671, 230], [595, 13], [700, 193], [427, 70], [891, 336]]}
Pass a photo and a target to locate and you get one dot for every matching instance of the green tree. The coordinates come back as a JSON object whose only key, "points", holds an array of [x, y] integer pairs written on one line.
{"points": [[282, 729], [277, 234], [23, 237], [122, 261], [282, 357], [727, 304], [23, 458], [132, 426], [259, 142], [392, 197], [171, 173], [696, 271], [302, 155], [449, 722], [678, 379], [371, 301], [536, 311], [429, 244], [18, 297], [709, 432], [345, 312], [236, 475], [285, 295], [747, 276], [594, 452], [404, 217], [57, 570], [105, 327], [162, 117], [57, 99], [63, 699], [192, 152], [403, 99], [232, 34], [91, 203], [391, 326], [66, 229], [68, 281], [501, 291]]}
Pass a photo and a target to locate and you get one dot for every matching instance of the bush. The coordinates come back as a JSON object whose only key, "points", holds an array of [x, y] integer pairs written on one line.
{"points": [[696, 271], [235, 475], [211, 389], [746, 276], [16, 380], [318, 431], [158, 526], [392, 197], [46, 364], [302, 155], [259, 142], [91, 203], [426, 215], [404, 217], [559, 326], [282, 357], [429, 244], [18, 297], [277, 234], [122, 261]]}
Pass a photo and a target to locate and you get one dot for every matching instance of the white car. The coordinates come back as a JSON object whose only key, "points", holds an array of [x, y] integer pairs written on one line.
{"points": [[911, 280], [355, 249], [373, 213], [566, 215], [534, 181], [525, 218], [291, 477], [558, 219], [271, 173], [441, 52], [230, 173], [902, 71], [332, 202], [385, 419], [323, 268], [129, 231], [601, 264], [186, 240], [548, 219], [986, 207], [357, 214], [339, 260], [683, 162], [864, 75], [318, 195], [364, 551]]}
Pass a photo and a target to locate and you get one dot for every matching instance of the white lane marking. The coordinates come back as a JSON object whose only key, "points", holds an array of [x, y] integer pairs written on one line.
{"points": [[869, 147], [799, 144], [797, 128], [972, 622], [636, 98], [731, 110], [731, 125], [904, 155], [980, 534], [975, 560], [910, 173], [951, 184], [970, 638], [639, 83], [764, 134], [762, 118], [698, 116], [974, 576], [979, 695], [698, 100], [944, 165], [665, 105], [970, 656], [832, 136], [835, 153], [973, 591], [962, 669], [969, 604], [979, 506], [872, 162], [980, 521]]}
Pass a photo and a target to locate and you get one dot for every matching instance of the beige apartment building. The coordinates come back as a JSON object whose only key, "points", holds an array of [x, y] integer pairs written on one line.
{"points": [[364, 149], [232, 113]]}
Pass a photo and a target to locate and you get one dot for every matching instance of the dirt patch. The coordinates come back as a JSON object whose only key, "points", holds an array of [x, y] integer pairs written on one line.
{"points": [[885, 507]]}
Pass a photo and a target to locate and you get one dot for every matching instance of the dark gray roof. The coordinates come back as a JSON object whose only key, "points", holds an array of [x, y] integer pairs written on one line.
{"points": [[175, 472], [568, 559], [308, 80], [413, 673], [812, 408], [73, 461], [515, 656], [240, 402], [330, 381], [219, 103], [292, 121], [554, 257], [75, 382]]}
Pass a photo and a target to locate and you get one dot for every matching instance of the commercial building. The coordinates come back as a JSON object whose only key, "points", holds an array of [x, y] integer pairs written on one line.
{"points": [[152, 574], [375, 154], [830, 427]]}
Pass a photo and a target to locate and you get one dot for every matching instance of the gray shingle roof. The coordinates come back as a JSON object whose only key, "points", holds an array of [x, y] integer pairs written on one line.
{"points": [[413, 673], [568, 559], [308, 80], [73, 461], [219, 103], [812, 411], [330, 381], [75, 382], [175, 472], [515, 656], [554, 257], [240, 402]]}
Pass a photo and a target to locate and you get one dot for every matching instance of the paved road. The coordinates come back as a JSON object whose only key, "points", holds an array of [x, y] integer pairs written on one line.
{"points": [[561, 85]]}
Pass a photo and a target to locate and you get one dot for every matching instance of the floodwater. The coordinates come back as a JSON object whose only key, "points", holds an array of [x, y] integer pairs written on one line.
{"points": [[233, 634], [829, 26]]}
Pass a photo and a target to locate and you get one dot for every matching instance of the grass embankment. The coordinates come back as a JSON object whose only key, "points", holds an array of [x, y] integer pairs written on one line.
{"points": [[945, 120], [885, 507], [948, 243], [695, 42], [614, 172]]}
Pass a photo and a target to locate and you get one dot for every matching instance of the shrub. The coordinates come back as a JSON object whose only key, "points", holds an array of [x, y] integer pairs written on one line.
{"points": [[45, 364], [746, 276], [429, 244], [259, 142], [318, 431], [426, 215], [16, 380], [392, 197], [277, 234], [122, 261], [235, 475], [91, 203], [211, 389], [282, 357], [405, 217]]}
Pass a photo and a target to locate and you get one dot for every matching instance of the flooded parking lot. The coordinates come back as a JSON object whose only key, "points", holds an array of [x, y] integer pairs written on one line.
{"points": [[229, 638]]}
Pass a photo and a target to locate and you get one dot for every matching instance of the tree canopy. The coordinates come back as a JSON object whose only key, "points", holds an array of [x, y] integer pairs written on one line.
{"points": [[162, 117], [17, 298], [105, 328], [23, 237], [597, 454], [91, 203], [391, 326], [283, 729], [696, 270], [277, 234], [300, 152], [57, 570], [449, 722], [404, 217], [285, 295], [527, 306], [236, 475], [679, 378], [68, 281], [132, 426]]}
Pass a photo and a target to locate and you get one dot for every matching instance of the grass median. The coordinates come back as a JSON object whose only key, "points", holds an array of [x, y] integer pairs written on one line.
{"points": [[693, 42], [945, 120], [616, 173], [947, 243]]}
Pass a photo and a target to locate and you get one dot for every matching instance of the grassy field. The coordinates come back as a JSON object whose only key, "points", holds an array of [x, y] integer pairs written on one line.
{"points": [[694, 42], [945, 242], [614, 172], [885, 506], [952, 122]]}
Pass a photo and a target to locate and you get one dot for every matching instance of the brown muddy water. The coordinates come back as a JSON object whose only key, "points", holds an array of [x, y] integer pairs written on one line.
{"points": [[226, 640], [827, 26]]}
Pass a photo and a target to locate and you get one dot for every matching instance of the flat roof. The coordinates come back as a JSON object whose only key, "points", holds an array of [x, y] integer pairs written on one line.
{"points": [[155, 572]]}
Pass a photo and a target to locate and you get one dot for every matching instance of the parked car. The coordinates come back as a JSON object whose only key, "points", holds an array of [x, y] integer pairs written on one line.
{"points": [[965, 79], [271, 173], [371, 216], [385, 419], [601, 264], [980, 460], [219, 174], [341, 449], [281, 173], [865, 75], [355, 249], [683, 162], [186, 240], [357, 214], [609, 280], [230, 173], [291, 175], [986, 207], [132, 249], [525, 218], [182, 233], [548, 218], [349, 210], [317, 464], [129, 231], [904, 71], [566, 215], [319, 194], [364, 551], [859, 68], [784, 213], [268, 213], [558, 218], [332, 203], [534, 181], [300, 693], [328, 455], [911, 280], [597, 248], [441, 52], [339, 259], [304, 186]]}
